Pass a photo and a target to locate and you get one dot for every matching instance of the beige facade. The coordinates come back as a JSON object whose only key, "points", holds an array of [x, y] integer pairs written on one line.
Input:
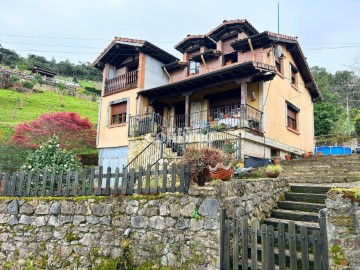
{"points": [[256, 85]]}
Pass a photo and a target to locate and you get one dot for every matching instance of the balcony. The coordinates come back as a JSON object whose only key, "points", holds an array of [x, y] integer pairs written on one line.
{"points": [[121, 83], [219, 119]]}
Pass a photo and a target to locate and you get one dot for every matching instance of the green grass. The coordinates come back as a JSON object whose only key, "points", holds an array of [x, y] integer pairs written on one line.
{"points": [[38, 104]]}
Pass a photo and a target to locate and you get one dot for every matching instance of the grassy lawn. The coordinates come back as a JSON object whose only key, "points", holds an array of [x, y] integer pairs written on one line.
{"points": [[40, 103]]}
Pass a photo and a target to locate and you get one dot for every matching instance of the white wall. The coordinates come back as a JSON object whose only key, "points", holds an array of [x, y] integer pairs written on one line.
{"points": [[154, 75]]}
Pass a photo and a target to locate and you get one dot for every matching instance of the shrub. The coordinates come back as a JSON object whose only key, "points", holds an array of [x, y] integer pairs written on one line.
{"points": [[27, 84], [357, 124], [200, 159], [61, 86], [50, 155]]}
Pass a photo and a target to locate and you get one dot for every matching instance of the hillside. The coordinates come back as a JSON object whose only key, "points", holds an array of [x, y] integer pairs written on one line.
{"points": [[39, 103]]}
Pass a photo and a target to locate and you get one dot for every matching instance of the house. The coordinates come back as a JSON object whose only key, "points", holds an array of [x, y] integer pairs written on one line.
{"points": [[46, 74], [232, 84]]}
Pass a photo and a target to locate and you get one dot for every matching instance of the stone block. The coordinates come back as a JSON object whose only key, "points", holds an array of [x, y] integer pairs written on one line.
{"points": [[13, 207], [67, 208], [101, 209], [210, 207], [157, 222]]}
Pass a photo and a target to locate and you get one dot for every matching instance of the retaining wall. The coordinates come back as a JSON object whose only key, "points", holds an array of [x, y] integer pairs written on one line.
{"points": [[173, 231]]}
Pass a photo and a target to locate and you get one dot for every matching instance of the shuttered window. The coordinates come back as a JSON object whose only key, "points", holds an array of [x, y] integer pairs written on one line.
{"points": [[292, 117], [118, 113]]}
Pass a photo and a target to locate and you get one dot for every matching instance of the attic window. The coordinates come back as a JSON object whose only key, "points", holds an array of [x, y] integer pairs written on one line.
{"points": [[194, 67], [294, 76]]}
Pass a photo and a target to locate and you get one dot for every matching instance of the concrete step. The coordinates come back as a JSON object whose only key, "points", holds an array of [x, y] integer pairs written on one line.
{"points": [[295, 215], [301, 206], [275, 221], [305, 197], [320, 179], [306, 188]]}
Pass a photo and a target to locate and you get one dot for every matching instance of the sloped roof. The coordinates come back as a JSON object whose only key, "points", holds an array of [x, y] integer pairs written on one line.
{"points": [[192, 42], [121, 47], [227, 25]]}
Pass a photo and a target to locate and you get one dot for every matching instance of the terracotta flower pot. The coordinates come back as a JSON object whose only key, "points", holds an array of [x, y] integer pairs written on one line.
{"points": [[311, 153], [272, 174], [287, 157], [319, 153], [305, 155], [220, 171], [276, 160]]}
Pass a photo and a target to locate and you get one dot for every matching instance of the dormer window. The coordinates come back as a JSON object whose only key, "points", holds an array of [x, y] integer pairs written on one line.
{"points": [[194, 67], [230, 58]]}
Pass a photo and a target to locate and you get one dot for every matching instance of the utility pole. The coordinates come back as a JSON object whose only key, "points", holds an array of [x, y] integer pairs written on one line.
{"points": [[278, 11]]}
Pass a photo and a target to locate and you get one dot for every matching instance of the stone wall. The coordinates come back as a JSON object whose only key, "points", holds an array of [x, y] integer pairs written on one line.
{"points": [[343, 226], [172, 231]]}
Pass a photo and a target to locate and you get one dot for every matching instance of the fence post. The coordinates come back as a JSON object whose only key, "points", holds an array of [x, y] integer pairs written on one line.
{"points": [[222, 239], [161, 147], [238, 152], [129, 124], [207, 134], [152, 121], [323, 232]]}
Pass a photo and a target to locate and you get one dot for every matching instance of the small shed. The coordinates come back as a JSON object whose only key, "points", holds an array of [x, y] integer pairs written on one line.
{"points": [[43, 72]]}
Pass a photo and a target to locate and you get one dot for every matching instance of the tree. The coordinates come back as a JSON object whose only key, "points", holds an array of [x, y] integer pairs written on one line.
{"points": [[357, 124], [74, 133], [329, 111], [51, 156]]}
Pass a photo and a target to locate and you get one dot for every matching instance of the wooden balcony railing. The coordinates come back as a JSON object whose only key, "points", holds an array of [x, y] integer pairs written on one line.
{"points": [[121, 83]]}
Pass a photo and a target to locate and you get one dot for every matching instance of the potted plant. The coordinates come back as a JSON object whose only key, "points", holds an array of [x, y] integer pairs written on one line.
{"points": [[276, 160], [288, 157], [311, 153], [273, 171], [220, 171]]}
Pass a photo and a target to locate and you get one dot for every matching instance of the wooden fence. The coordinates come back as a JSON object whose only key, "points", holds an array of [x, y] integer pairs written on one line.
{"points": [[263, 247], [152, 180]]}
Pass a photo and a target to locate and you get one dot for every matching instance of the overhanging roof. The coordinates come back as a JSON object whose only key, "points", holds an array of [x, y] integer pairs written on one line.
{"points": [[267, 39], [42, 71], [121, 48], [255, 70], [194, 42], [229, 26]]}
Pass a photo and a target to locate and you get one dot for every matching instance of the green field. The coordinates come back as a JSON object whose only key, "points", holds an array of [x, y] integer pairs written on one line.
{"points": [[39, 103]]}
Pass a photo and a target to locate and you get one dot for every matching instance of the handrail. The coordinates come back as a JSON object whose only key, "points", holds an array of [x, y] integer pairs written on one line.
{"points": [[121, 83]]}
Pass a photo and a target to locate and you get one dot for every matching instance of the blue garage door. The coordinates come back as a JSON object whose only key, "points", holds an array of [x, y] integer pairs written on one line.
{"points": [[113, 157]]}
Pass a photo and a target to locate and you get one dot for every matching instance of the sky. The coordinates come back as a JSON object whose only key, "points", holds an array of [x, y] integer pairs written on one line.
{"points": [[78, 30]]}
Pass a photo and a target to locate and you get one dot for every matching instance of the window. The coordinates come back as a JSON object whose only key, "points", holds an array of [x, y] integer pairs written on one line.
{"points": [[230, 58], [279, 64], [118, 113], [293, 76], [292, 113], [194, 67]]}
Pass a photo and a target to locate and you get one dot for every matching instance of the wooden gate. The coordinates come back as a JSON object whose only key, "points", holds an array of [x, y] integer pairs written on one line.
{"points": [[265, 247]]}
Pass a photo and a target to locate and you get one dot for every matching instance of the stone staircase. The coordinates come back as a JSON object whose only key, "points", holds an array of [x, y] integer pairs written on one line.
{"points": [[310, 179]]}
